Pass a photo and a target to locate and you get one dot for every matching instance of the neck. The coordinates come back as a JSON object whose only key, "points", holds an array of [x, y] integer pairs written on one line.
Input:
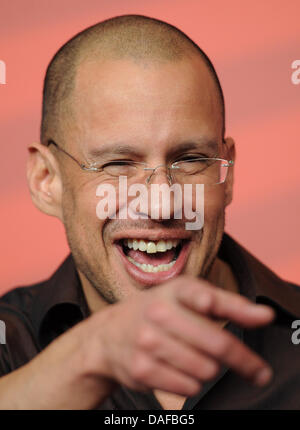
{"points": [[94, 300]]}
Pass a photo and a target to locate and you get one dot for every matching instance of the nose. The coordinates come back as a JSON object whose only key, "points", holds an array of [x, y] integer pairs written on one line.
{"points": [[155, 174], [163, 201]]}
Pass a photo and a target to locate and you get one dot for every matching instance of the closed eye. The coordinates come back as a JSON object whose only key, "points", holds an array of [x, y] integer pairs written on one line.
{"points": [[118, 163]]}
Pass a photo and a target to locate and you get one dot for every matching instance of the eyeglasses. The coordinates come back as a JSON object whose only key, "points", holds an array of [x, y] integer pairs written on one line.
{"points": [[198, 170]]}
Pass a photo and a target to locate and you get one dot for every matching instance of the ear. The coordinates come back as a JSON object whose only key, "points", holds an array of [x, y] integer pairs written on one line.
{"points": [[229, 154], [44, 180]]}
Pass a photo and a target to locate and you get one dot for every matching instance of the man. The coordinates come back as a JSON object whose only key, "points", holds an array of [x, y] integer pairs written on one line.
{"points": [[144, 313]]}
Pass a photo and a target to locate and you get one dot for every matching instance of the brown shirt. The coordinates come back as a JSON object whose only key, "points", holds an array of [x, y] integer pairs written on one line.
{"points": [[37, 314]]}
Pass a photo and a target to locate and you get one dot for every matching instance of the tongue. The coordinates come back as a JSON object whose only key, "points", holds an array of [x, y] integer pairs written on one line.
{"points": [[154, 259]]}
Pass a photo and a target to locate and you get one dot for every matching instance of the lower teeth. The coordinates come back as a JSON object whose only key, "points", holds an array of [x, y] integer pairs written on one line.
{"points": [[151, 268]]}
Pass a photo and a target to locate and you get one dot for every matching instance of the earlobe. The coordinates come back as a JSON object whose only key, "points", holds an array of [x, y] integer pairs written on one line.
{"points": [[44, 180]]}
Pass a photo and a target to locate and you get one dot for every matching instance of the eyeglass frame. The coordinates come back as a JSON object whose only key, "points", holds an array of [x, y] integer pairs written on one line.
{"points": [[99, 169]]}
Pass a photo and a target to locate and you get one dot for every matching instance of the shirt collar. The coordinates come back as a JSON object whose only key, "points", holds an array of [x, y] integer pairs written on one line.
{"points": [[63, 303], [60, 304], [258, 282]]}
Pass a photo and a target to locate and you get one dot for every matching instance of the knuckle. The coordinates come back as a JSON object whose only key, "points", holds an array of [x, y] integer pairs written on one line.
{"points": [[141, 368], [187, 289], [194, 389], [223, 347], [205, 301], [211, 370], [185, 295], [157, 312], [147, 338]]}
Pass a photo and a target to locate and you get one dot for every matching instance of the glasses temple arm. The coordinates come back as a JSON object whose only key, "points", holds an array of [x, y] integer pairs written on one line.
{"points": [[82, 166]]}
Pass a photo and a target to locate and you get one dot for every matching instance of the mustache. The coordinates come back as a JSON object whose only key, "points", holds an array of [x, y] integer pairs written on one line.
{"points": [[112, 226]]}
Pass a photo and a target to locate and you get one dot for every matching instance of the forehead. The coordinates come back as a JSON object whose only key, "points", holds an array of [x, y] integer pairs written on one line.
{"points": [[158, 102]]}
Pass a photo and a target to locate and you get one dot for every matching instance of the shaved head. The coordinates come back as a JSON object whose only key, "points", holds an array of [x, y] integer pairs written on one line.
{"points": [[130, 89], [135, 37]]}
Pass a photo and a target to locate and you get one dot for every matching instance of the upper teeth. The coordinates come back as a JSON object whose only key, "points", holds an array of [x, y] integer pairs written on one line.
{"points": [[151, 247]]}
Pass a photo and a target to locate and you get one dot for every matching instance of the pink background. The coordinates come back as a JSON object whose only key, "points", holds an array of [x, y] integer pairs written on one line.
{"points": [[252, 45]]}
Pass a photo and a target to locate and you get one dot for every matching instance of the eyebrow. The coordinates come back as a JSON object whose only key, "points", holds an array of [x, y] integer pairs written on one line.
{"points": [[125, 149], [115, 149], [201, 144]]}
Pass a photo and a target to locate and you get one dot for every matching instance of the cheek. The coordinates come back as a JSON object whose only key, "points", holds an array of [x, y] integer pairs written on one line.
{"points": [[80, 218], [214, 203]]}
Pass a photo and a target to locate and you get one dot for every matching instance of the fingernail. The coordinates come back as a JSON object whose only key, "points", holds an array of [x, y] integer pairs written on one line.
{"points": [[263, 377]]}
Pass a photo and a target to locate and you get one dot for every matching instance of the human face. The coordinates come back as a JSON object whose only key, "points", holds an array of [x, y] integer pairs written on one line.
{"points": [[152, 108]]}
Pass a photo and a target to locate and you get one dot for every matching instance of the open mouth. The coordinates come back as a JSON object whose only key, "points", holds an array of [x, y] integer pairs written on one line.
{"points": [[152, 262], [152, 257]]}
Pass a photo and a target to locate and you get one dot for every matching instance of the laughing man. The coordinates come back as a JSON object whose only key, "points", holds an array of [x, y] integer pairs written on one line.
{"points": [[143, 313]]}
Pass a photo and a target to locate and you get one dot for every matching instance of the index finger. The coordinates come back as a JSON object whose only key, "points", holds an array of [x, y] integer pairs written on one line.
{"points": [[209, 339], [207, 299]]}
